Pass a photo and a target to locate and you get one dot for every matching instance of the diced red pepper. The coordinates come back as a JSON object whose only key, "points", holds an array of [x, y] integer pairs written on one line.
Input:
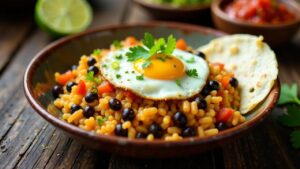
{"points": [[105, 87], [221, 65], [224, 114], [81, 88], [62, 79], [181, 44]]}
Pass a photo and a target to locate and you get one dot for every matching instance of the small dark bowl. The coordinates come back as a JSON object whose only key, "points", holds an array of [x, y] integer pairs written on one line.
{"points": [[60, 55], [274, 34], [167, 12]]}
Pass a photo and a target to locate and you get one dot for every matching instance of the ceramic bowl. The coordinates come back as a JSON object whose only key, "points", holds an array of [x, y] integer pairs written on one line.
{"points": [[60, 55], [274, 34], [194, 13]]}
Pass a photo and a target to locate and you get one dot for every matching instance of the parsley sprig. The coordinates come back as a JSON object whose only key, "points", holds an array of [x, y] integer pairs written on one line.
{"points": [[90, 77], [151, 47], [192, 73], [102, 120], [292, 116]]}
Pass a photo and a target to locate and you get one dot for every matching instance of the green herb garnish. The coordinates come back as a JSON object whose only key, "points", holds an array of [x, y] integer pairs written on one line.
{"points": [[191, 60], [151, 47], [102, 120], [289, 94], [146, 64], [192, 73], [90, 77], [141, 77], [119, 57], [178, 83], [118, 76], [117, 44], [115, 65], [94, 89], [104, 65], [97, 52], [292, 117]]}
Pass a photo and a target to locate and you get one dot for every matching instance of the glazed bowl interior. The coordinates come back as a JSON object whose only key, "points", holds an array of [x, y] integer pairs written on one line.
{"points": [[61, 55]]}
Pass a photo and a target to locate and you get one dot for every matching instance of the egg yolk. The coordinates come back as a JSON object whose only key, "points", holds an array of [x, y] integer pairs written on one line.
{"points": [[161, 67]]}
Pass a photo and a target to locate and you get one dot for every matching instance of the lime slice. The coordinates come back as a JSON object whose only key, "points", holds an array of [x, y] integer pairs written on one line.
{"points": [[63, 17]]}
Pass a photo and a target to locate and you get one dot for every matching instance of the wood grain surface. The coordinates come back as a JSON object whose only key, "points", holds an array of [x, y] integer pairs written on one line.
{"points": [[27, 141]]}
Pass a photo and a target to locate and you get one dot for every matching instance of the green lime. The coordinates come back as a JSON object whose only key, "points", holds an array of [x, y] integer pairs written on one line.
{"points": [[63, 17]]}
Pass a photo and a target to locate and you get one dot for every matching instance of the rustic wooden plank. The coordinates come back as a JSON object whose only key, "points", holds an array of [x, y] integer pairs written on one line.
{"points": [[201, 161], [12, 33], [47, 148]]}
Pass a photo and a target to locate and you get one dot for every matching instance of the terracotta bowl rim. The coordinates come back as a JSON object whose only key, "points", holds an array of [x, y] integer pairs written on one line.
{"points": [[74, 130], [216, 9], [172, 8]]}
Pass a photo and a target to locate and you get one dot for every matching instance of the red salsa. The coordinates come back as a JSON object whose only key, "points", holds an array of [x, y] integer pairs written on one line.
{"points": [[259, 11]]}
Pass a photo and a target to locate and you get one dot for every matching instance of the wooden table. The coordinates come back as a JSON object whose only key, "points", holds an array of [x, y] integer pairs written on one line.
{"points": [[28, 141]]}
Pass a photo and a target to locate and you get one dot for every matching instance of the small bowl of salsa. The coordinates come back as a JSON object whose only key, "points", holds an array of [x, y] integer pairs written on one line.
{"points": [[276, 20]]}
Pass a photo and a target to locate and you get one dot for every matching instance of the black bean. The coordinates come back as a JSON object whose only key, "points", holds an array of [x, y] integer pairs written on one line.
{"points": [[57, 90], [156, 130], [205, 91], [119, 131], [91, 61], [180, 119], [94, 69], [202, 104], [115, 104], [214, 85], [90, 97], [200, 54], [70, 85], [189, 132], [75, 107], [128, 114], [88, 111], [140, 135], [221, 126], [234, 82]]}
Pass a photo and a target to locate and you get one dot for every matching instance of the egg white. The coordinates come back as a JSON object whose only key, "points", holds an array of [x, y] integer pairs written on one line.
{"points": [[126, 77]]}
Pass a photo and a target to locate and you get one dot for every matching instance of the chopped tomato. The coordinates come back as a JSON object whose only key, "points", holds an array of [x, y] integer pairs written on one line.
{"points": [[181, 44], [105, 87], [224, 114], [259, 11], [225, 80], [62, 79], [130, 41], [81, 88], [221, 65]]}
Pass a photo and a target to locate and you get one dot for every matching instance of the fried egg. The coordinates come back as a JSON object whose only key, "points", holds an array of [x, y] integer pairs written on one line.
{"points": [[179, 76]]}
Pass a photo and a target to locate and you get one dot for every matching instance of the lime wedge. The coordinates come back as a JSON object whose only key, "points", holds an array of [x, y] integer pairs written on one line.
{"points": [[63, 17]]}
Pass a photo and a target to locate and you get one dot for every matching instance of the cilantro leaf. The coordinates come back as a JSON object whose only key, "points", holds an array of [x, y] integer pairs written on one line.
{"points": [[178, 83], [191, 60], [295, 139], [171, 44], [137, 52], [192, 73], [119, 57], [90, 77], [159, 46], [102, 120], [117, 44], [118, 76], [289, 94], [141, 77], [146, 64], [97, 52], [148, 40], [292, 118]]}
